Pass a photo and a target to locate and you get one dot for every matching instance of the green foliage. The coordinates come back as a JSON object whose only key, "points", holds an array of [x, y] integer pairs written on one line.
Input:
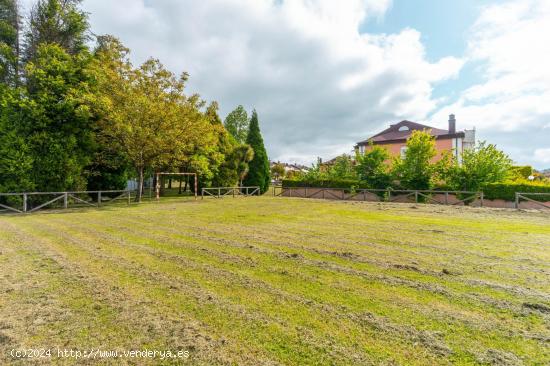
{"points": [[317, 172], [9, 42], [521, 172], [15, 159], [416, 171], [507, 190], [278, 171], [480, 166], [148, 118], [326, 183], [58, 22], [56, 119], [371, 167], [237, 124], [342, 168], [258, 174]]}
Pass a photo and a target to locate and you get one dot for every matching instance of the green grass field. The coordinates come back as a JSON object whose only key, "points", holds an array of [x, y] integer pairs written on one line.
{"points": [[268, 281]]}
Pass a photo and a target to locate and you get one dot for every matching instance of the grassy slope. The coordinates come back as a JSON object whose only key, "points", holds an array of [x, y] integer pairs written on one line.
{"points": [[281, 281]]}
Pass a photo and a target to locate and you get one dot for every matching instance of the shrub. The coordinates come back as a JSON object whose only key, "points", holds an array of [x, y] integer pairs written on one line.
{"points": [[480, 166], [507, 191], [521, 172], [371, 167]]}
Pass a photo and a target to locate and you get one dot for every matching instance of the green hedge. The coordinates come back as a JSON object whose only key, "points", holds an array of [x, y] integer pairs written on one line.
{"points": [[522, 171], [348, 184], [507, 191]]}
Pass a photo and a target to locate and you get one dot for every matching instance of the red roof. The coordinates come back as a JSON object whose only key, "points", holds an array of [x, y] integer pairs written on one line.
{"points": [[402, 130]]}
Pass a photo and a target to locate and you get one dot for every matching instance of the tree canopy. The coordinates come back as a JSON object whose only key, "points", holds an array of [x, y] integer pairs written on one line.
{"points": [[146, 114], [416, 170], [237, 124], [72, 118], [482, 165]]}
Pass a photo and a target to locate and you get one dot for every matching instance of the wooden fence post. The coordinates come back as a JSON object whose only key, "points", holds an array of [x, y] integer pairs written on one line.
{"points": [[98, 198], [416, 196], [129, 196], [482, 198], [24, 202], [65, 200], [196, 185], [446, 198], [517, 201]]}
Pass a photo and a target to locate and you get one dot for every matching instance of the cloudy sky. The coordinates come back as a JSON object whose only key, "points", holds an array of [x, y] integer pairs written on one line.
{"points": [[324, 74]]}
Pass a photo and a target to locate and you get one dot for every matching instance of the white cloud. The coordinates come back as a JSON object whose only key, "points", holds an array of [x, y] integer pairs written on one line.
{"points": [[511, 105], [319, 85], [543, 155]]}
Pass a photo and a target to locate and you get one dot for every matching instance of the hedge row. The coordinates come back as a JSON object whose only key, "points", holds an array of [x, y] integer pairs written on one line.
{"points": [[507, 191], [504, 191], [348, 184]]}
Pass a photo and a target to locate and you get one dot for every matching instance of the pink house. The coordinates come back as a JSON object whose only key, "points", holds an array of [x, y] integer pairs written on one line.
{"points": [[395, 138]]}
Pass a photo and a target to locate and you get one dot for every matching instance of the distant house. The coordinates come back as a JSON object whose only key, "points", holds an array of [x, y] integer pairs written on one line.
{"points": [[290, 167], [395, 138]]}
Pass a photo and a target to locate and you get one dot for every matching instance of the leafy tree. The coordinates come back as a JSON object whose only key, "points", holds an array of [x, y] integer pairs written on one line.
{"points": [[482, 165], [15, 159], [416, 170], [9, 42], [258, 174], [237, 124], [56, 21], [371, 167], [207, 158], [342, 168], [146, 115], [57, 122], [316, 172], [278, 171], [235, 158]]}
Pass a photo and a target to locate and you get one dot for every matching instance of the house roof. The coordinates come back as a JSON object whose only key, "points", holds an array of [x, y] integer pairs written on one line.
{"points": [[402, 130]]}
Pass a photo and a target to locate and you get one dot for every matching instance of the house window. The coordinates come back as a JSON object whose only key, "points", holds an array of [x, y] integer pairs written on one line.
{"points": [[403, 128], [403, 152]]}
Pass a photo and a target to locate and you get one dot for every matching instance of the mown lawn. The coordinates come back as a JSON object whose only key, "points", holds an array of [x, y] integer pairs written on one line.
{"points": [[271, 281]]}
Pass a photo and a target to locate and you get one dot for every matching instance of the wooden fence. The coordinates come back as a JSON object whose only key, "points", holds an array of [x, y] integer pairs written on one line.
{"points": [[34, 201], [382, 195], [525, 196], [477, 199], [220, 192]]}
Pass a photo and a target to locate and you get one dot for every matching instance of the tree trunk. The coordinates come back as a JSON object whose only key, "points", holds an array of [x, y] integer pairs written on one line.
{"points": [[170, 182], [140, 184]]}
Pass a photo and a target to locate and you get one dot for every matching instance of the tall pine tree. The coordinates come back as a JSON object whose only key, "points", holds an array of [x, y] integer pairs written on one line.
{"points": [[258, 173], [9, 42]]}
